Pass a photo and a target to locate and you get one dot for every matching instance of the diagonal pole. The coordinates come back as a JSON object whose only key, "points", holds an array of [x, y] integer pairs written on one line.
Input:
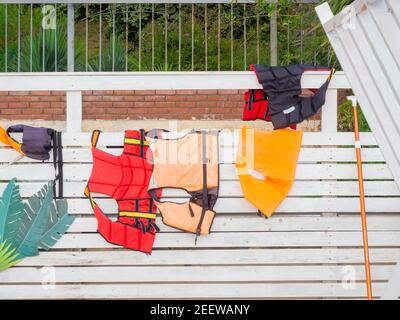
{"points": [[353, 99]]}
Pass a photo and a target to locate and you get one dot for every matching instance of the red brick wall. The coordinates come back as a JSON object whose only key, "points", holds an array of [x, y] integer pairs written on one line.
{"points": [[128, 105], [30, 105], [133, 105]]}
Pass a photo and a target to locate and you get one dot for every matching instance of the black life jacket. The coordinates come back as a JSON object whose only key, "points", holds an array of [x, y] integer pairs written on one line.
{"points": [[37, 143], [282, 87]]}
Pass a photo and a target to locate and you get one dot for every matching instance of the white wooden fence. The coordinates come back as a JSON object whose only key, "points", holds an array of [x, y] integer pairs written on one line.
{"points": [[311, 247]]}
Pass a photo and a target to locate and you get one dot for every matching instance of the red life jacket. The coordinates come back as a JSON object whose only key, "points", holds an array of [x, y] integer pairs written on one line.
{"points": [[125, 178]]}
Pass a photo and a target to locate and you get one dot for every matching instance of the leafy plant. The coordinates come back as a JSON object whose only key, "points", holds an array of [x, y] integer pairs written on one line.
{"points": [[24, 229], [118, 51], [346, 118], [8, 256]]}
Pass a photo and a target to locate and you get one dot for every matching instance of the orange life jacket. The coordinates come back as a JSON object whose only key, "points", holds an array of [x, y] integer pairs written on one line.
{"points": [[189, 163], [266, 165]]}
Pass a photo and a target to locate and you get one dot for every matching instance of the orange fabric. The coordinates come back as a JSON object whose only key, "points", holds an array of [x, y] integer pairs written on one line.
{"points": [[273, 155], [7, 140], [177, 216], [178, 162]]}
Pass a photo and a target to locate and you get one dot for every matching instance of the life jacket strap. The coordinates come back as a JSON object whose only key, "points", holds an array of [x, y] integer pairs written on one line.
{"points": [[205, 191], [137, 214], [95, 137]]}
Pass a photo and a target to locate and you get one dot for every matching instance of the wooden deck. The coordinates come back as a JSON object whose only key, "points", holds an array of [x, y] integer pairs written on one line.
{"points": [[310, 248]]}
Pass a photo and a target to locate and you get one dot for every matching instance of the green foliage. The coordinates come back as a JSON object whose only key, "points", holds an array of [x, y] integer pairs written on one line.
{"points": [[8, 256], [24, 229], [346, 118], [33, 225], [300, 37], [57, 224], [11, 211], [118, 50]]}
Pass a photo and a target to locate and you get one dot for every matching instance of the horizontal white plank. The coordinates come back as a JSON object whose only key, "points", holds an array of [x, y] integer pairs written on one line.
{"points": [[198, 274], [81, 172], [67, 81], [188, 291], [226, 155], [227, 138], [256, 256], [240, 223], [241, 205], [232, 188], [243, 240]]}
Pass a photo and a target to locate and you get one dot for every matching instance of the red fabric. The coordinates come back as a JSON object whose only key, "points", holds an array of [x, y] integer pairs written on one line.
{"points": [[125, 178]]}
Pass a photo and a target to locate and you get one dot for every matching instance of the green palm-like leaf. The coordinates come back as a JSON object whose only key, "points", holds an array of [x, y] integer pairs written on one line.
{"points": [[57, 225], [8, 256], [11, 212], [34, 224]]}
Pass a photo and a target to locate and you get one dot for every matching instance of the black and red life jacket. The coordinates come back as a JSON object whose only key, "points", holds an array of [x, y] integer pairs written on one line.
{"points": [[279, 101], [125, 178]]}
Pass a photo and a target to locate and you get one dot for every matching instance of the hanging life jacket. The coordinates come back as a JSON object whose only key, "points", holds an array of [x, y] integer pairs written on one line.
{"points": [[266, 165], [189, 163], [279, 101], [37, 143], [125, 178]]}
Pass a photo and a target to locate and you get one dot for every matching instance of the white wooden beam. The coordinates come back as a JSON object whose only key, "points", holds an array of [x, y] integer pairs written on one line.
{"points": [[329, 112], [69, 81], [74, 111]]}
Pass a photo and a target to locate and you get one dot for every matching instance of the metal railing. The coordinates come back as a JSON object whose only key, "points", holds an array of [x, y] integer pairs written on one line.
{"points": [[154, 35]]}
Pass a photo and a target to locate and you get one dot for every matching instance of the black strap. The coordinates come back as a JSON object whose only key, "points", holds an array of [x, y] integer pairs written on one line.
{"points": [[57, 163], [251, 100], [60, 165], [141, 143], [205, 193]]}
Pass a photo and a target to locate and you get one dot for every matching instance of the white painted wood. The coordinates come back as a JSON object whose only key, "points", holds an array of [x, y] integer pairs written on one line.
{"points": [[392, 291], [227, 155], [75, 172], [281, 222], [227, 138], [188, 291], [329, 112], [369, 54], [241, 205], [246, 240], [199, 80], [256, 256], [74, 111], [232, 188], [181, 274]]}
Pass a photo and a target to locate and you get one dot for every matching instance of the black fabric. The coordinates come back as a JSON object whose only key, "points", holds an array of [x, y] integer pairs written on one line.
{"points": [[58, 163], [37, 143], [205, 193], [282, 85]]}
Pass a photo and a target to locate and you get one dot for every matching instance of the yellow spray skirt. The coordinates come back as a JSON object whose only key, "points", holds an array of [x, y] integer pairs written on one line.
{"points": [[266, 165]]}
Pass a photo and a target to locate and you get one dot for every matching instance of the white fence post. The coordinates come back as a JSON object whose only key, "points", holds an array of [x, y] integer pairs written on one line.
{"points": [[74, 111], [71, 37], [329, 112]]}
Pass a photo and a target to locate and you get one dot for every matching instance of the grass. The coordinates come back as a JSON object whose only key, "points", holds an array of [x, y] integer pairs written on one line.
{"points": [[346, 118]]}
